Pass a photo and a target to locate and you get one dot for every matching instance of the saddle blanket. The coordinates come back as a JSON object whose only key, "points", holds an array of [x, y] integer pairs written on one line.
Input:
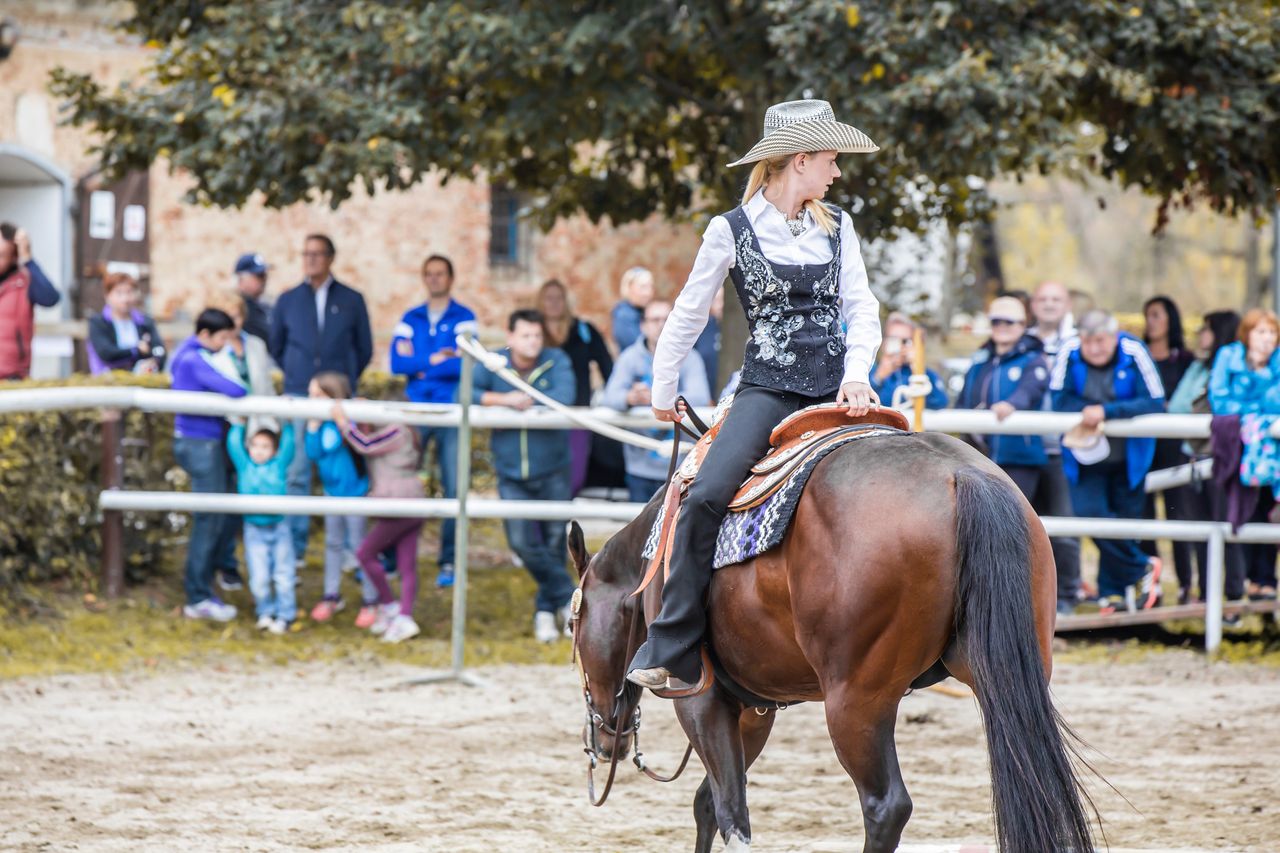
{"points": [[754, 531]]}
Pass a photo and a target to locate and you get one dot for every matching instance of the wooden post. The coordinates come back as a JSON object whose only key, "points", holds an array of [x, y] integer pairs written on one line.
{"points": [[918, 367], [112, 520]]}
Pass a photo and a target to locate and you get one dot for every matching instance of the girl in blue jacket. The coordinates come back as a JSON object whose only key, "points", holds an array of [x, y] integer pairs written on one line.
{"points": [[343, 475]]}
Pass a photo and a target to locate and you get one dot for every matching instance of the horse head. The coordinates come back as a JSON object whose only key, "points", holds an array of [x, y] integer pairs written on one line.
{"points": [[608, 627]]}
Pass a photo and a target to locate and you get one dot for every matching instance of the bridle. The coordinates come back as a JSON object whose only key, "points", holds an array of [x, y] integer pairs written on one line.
{"points": [[625, 721]]}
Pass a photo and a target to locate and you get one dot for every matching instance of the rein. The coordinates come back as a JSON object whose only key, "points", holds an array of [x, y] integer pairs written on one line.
{"points": [[596, 720]]}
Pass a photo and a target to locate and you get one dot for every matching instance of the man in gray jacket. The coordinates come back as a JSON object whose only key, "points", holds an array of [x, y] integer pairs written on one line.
{"points": [[630, 385]]}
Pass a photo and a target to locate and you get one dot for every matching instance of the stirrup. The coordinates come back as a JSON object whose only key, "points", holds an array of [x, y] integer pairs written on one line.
{"points": [[676, 689]]}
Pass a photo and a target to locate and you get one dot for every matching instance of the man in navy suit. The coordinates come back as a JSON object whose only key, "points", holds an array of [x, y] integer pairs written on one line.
{"points": [[319, 325]]}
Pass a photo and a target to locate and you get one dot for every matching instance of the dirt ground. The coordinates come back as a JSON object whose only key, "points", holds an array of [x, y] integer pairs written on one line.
{"points": [[340, 756]]}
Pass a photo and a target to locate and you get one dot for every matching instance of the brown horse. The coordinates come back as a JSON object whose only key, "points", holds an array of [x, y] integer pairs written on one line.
{"points": [[906, 554]]}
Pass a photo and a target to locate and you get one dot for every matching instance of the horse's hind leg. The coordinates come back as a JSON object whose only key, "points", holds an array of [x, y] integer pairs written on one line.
{"points": [[861, 729], [755, 730]]}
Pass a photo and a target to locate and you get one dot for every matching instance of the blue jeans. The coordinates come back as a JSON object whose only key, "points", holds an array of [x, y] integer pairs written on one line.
{"points": [[203, 461], [640, 489], [269, 552], [299, 483], [541, 544], [1103, 491], [446, 440]]}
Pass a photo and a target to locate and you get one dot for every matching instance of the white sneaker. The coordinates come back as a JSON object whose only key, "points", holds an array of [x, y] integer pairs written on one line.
{"points": [[386, 613], [402, 627], [544, 627], [265, 622], [278, 627], [210, 608], [565, 615]]}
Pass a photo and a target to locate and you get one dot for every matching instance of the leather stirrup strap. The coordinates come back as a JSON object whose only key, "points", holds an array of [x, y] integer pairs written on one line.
{"points": [[707, 679]]}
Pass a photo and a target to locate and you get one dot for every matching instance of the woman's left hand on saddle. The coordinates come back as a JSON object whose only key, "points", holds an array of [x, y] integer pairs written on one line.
{"points": [[859, 397]]}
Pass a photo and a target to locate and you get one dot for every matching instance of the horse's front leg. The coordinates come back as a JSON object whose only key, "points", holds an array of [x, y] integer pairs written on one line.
{"points": [[711, 722], [755, 729]]}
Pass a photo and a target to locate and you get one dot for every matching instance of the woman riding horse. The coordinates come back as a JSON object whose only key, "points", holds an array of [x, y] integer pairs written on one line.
{"points": [[799, 275]]}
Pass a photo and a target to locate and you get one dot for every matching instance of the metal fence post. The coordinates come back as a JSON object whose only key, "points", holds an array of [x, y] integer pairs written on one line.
{"points": [[1215, 595], [461, 554], [458, 634], [112, 520]]}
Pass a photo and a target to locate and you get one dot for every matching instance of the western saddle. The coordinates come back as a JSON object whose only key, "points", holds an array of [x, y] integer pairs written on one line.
{"points": [[792, 443]]}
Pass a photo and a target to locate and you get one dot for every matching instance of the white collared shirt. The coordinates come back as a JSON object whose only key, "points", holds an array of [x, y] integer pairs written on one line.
{"points": [[859, 309], [322, 300]]}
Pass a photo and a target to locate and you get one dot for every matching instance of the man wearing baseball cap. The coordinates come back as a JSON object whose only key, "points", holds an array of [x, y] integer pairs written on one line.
{"points": [[251, 281]]}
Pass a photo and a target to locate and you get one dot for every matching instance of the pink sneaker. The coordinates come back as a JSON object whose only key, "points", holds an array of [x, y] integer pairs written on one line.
{"points": [[325, 610], [367, 616]]}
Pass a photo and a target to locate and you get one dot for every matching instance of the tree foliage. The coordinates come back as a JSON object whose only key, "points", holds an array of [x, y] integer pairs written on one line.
{"points": [[624, 108]]}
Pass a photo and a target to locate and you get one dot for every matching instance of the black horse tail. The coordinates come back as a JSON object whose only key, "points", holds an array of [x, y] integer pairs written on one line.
{"points": [[1038, 802]]}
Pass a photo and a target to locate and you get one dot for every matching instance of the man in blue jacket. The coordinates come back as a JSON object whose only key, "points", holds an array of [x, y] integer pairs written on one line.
{"points": [[533, 464], [1107, 374], [424, 349], [197, 444], [319, 325], [893, 365]]}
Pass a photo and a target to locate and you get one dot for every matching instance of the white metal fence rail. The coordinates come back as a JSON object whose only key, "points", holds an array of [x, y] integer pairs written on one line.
{"points": [[114, 499]]}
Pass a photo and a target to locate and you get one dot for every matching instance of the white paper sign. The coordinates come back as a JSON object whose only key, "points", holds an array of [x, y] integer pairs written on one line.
{"points": [[102, 214], [134, 225]]}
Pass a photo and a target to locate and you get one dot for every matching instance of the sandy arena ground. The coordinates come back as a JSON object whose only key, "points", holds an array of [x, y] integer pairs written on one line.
{"points": [[340, 757]]}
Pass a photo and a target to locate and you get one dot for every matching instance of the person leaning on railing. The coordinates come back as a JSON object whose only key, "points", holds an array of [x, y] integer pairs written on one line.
{"points": [[1194, 501], [1009, 374], [1106, 374], [533, 464], [1244, 392], [198, 446]]}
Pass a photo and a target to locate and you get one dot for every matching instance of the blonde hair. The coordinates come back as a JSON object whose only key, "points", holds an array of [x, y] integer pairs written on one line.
{"points": [[766, 169], [226, 300], [631, 276]]}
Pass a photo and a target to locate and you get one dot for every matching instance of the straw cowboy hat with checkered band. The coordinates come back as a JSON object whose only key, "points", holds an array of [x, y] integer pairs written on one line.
{"points": [[799, 127]]}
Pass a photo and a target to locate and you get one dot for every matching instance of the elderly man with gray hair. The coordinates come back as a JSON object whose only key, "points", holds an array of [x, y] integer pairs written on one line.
{"points": [[1106, 374]]}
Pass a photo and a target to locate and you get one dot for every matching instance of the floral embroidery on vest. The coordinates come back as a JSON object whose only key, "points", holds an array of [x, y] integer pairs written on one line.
{"points": [[826, 295], [769, 301]]}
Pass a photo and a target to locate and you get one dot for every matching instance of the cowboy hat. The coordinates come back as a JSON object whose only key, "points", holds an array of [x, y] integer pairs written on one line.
{"points": [[1088, 445], [798, 127]]}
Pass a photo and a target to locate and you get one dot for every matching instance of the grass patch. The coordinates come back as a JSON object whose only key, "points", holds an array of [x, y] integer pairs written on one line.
{"points": [[55, 632]]}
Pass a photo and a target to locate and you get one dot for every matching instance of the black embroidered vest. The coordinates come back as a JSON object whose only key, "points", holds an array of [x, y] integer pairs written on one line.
{"points": [[795, 340]]}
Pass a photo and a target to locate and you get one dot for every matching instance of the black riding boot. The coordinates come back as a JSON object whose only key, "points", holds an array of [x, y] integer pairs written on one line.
{"points": [[675, 636]]}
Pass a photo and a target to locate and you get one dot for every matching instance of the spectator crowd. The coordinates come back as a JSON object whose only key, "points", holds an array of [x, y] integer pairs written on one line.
{"points": [[1038, 357]]}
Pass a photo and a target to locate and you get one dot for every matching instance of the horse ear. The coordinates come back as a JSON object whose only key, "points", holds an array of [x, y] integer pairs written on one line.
{"points": [[578, 549]]}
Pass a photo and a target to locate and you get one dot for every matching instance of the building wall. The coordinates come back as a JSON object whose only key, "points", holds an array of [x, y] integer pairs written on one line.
{"points": [[381, 240]]}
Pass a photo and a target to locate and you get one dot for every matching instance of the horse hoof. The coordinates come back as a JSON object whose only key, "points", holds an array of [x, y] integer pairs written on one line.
{"points": [[737, 845]]}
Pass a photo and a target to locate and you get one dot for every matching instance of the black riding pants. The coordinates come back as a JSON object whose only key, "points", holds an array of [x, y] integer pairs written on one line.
{"points": [[675, 636]]}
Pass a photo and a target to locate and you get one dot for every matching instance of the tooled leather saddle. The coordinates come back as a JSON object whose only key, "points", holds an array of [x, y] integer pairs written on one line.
{"points": [[794, 444]]}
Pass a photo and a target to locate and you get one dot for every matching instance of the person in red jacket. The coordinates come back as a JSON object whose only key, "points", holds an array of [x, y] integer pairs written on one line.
{"points": [[23, 285]]}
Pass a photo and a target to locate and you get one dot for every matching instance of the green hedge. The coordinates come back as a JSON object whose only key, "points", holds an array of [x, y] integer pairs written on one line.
{"points": [[51, 474]]}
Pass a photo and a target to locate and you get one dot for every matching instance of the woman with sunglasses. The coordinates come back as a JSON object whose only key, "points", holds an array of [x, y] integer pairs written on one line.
{"points": [[1009, 373]]}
